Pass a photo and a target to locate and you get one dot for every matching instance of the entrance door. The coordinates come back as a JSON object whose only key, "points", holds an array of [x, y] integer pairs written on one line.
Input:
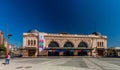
{"points": [[31, 52], [82, 53], [53, 52], [68, 52], [100, 52]]}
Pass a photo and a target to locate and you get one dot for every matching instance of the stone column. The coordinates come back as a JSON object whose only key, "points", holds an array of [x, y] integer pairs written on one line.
{"points": [[36, 53], [75, 53], [61, 53], [90, 53], [46, 53], [118, 53]]}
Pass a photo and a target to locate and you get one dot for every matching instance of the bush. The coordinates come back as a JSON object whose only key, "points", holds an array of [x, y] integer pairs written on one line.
{"points": [[2, 47]]}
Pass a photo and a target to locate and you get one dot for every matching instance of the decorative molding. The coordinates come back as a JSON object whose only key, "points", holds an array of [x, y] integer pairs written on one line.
{"points": [[30, 35]]}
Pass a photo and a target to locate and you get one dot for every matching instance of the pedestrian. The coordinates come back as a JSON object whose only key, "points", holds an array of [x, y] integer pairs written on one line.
{"points": [[7, 60]]}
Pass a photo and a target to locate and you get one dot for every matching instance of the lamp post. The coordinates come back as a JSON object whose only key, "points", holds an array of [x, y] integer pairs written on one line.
{"points": [[6, 43]]}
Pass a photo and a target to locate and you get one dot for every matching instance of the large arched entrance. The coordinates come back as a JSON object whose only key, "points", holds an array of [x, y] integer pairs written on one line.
{"points": [[68, 52], [82, 52], [53, 52]]}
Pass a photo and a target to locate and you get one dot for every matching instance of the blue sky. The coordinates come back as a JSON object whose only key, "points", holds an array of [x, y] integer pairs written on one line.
{"points": [[54, 16]]}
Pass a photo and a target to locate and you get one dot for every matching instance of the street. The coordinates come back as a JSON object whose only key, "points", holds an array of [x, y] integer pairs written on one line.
{"points": [[62, 63]]}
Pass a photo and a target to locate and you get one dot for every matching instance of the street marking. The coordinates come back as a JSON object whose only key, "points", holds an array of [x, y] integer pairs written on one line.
{"points": [[19, 67], [28, 67]]}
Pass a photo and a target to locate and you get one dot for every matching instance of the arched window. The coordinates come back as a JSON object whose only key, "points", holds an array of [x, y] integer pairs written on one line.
{"points": [[102, 44], [31, 42], [98, 44], [53, 44], [34, 42], [68, 44], [82, 44], [28, 42]]}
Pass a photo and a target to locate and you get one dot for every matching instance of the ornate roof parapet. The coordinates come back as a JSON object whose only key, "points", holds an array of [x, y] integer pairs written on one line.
{"points": [[76, 35]]}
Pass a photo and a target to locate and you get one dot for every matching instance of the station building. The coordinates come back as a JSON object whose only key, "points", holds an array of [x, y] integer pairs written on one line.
{"points": [[37, 43]]}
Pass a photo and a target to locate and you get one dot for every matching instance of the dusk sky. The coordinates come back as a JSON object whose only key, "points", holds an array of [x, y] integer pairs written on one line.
{"points": [[54, 16]]}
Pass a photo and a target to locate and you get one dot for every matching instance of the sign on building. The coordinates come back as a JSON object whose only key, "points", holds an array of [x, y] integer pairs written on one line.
{"points": [[41, 41]]}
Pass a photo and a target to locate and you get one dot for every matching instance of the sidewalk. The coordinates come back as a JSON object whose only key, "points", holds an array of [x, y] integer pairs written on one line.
{"points": [[40, 66], [61, 64], [19, 66]]}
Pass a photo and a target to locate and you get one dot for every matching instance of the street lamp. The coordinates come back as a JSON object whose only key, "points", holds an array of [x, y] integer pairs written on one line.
{"points": [[6, 43]]}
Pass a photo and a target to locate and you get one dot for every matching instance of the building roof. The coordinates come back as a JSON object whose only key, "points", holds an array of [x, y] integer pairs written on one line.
{"points": [[63, 33], [115, 47], [96, 33], [33, 31]]}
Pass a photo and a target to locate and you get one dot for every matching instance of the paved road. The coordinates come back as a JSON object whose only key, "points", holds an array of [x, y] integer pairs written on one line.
{"points": [[62, 63]]}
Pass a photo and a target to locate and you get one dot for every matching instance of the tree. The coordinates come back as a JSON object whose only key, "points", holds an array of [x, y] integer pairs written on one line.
{"points": [[2, 49], [111, 52]]}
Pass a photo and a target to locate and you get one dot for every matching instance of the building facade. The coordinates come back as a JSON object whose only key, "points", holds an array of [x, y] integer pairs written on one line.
{"points": [[12, 48], [113, 51], [37, 43], [1, 37]]}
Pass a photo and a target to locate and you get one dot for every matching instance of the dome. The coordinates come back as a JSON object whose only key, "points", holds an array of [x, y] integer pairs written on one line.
{"points": [[96, 33], [63, 33], [33, 31]]}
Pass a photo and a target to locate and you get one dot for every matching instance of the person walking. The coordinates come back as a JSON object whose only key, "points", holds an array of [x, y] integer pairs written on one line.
{"points": [[7, 61]]}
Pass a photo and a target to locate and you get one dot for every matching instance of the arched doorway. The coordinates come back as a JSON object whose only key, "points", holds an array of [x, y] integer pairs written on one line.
{"points": [[68, 52], [31, 52], [53, 52], [82, 52]]}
